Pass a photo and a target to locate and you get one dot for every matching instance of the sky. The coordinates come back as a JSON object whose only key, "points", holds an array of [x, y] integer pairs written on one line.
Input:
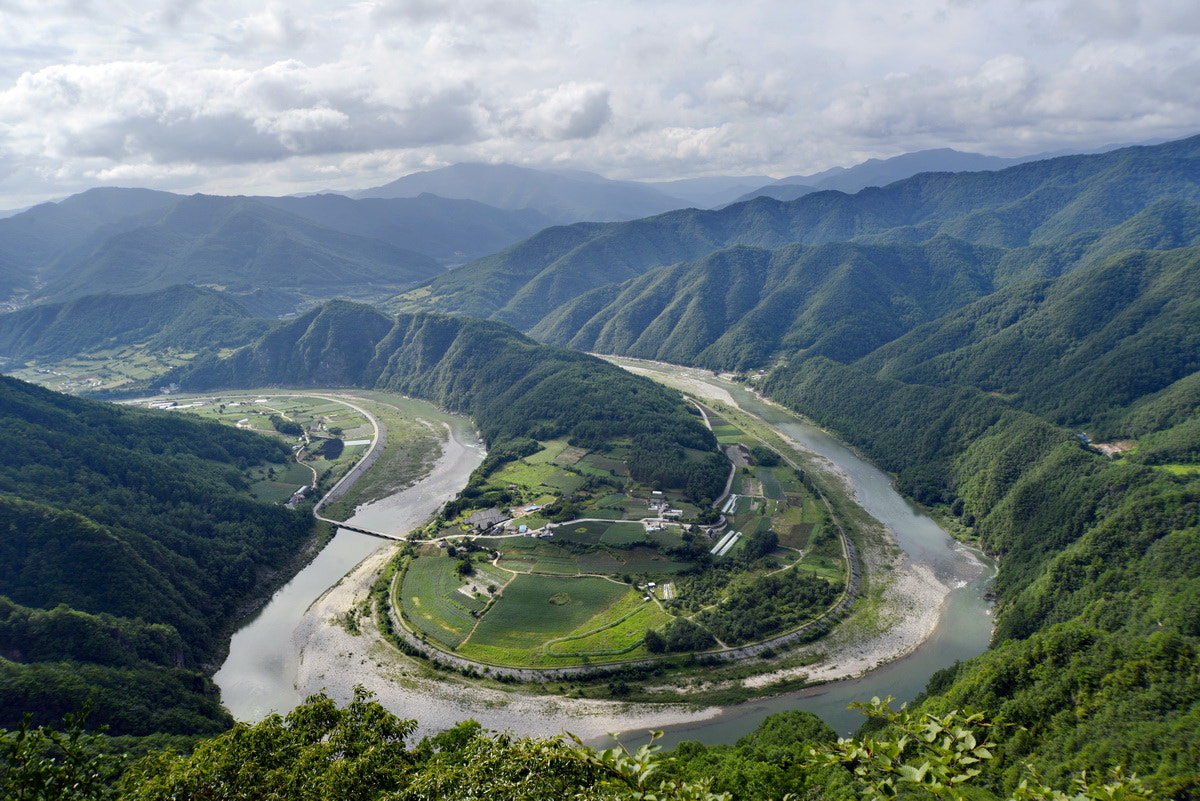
{"points": [[285, 97]]}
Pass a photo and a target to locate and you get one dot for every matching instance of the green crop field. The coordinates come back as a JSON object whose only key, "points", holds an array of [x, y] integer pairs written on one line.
{"points": [[621, 635], [534, 609], [770, 484], [432, 603], [621, 534], [550, 451], [527, 475]]}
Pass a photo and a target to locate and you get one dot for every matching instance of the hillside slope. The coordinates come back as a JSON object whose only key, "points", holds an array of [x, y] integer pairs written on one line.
{"points": [[183, 317], [130, 544], [1029, 204]]}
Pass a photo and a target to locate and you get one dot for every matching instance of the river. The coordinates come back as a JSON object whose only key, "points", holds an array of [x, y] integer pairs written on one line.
{"points": [[260, 673], [964, 628]]}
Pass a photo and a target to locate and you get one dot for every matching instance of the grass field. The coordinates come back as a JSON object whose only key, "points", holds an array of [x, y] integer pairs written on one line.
{"points": [[621, 534], [432, 603], [534, 609]]}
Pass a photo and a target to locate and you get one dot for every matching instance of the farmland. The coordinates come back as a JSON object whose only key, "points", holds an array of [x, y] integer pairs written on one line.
{"points": [[574, 563]]}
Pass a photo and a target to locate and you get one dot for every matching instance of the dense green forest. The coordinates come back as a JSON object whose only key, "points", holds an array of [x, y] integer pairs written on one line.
{"points": [[130, 548], [515, 389], [1036, 205], [182, 317]]}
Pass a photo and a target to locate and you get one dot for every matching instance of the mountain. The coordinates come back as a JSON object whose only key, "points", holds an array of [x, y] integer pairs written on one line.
{"points": [[32, 239], [272, 251], [712, 191], [736, 308], [1037, 203], [130, 548], [1071, 350], [515, 389], [451, 231], [561, 196], [183, 317], [238, 244]]}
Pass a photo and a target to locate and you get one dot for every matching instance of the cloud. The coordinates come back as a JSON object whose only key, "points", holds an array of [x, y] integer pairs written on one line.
{"points": [[568, 111], [246, 93], [136, 110]]}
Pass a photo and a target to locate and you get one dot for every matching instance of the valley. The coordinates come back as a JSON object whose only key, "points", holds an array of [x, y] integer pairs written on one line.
{"points": [[743, 525], [332, 656]]}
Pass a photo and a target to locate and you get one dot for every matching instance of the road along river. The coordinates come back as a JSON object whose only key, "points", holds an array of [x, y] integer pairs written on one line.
{"points": [[259, 675], [963, 627], [293, 648]]}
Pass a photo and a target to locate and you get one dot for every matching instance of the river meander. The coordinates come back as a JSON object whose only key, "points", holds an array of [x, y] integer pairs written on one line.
{"points": [[260, 673]]}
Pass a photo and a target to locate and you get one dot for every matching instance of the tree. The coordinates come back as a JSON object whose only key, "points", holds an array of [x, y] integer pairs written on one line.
{"points": [[317, 751], [925, 755], [44, 764]]}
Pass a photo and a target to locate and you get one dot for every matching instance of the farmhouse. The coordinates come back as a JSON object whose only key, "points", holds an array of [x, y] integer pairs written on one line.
{"points": [[486, 518]]}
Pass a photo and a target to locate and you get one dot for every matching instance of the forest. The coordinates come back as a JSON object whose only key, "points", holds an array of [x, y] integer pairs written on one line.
{"points": [[515, 389], [131, 546]]}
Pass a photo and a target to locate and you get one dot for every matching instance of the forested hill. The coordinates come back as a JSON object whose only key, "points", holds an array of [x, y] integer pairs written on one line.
{"points": [[739, 307], [237, 243], [1030, 204], [130, 543], [183, 317], [514, 388]]}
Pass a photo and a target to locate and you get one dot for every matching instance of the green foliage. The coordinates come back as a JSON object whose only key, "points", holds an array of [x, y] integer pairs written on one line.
{"points": [[129, 545], [316, 751], [46, 764], [769, 604], [517, 391], [931, 756], [677, 636]]}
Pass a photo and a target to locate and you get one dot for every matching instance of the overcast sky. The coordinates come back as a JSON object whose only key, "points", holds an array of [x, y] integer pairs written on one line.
{"points": [[281, 97]]}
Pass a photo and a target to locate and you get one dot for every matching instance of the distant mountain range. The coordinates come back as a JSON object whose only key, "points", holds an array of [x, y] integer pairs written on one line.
{"points": [[564, 197], [273, 253], [1037, 204]]}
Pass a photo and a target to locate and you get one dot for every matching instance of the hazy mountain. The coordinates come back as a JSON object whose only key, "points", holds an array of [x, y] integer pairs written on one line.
{"points": [[881, 172], [777, 191], [561, 196], [451, 231], [239, 245], [707, 193], [185, 317], [31, 239], [1029, 204], [71, 245]]}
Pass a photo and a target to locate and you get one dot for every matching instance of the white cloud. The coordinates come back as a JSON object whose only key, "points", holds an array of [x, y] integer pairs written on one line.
{"points": [[247, 94], [569, 111]]}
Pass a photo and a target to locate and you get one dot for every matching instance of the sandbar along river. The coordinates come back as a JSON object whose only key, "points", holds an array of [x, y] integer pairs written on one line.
{"points": [[259, 675]]}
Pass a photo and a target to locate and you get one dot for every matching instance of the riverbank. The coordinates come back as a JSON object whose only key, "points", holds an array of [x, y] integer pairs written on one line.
{"points": [[334, 661], [899, 614]]}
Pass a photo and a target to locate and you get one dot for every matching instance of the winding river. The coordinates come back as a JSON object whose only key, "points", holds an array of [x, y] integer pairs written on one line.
{"points": [[259, 675]]}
